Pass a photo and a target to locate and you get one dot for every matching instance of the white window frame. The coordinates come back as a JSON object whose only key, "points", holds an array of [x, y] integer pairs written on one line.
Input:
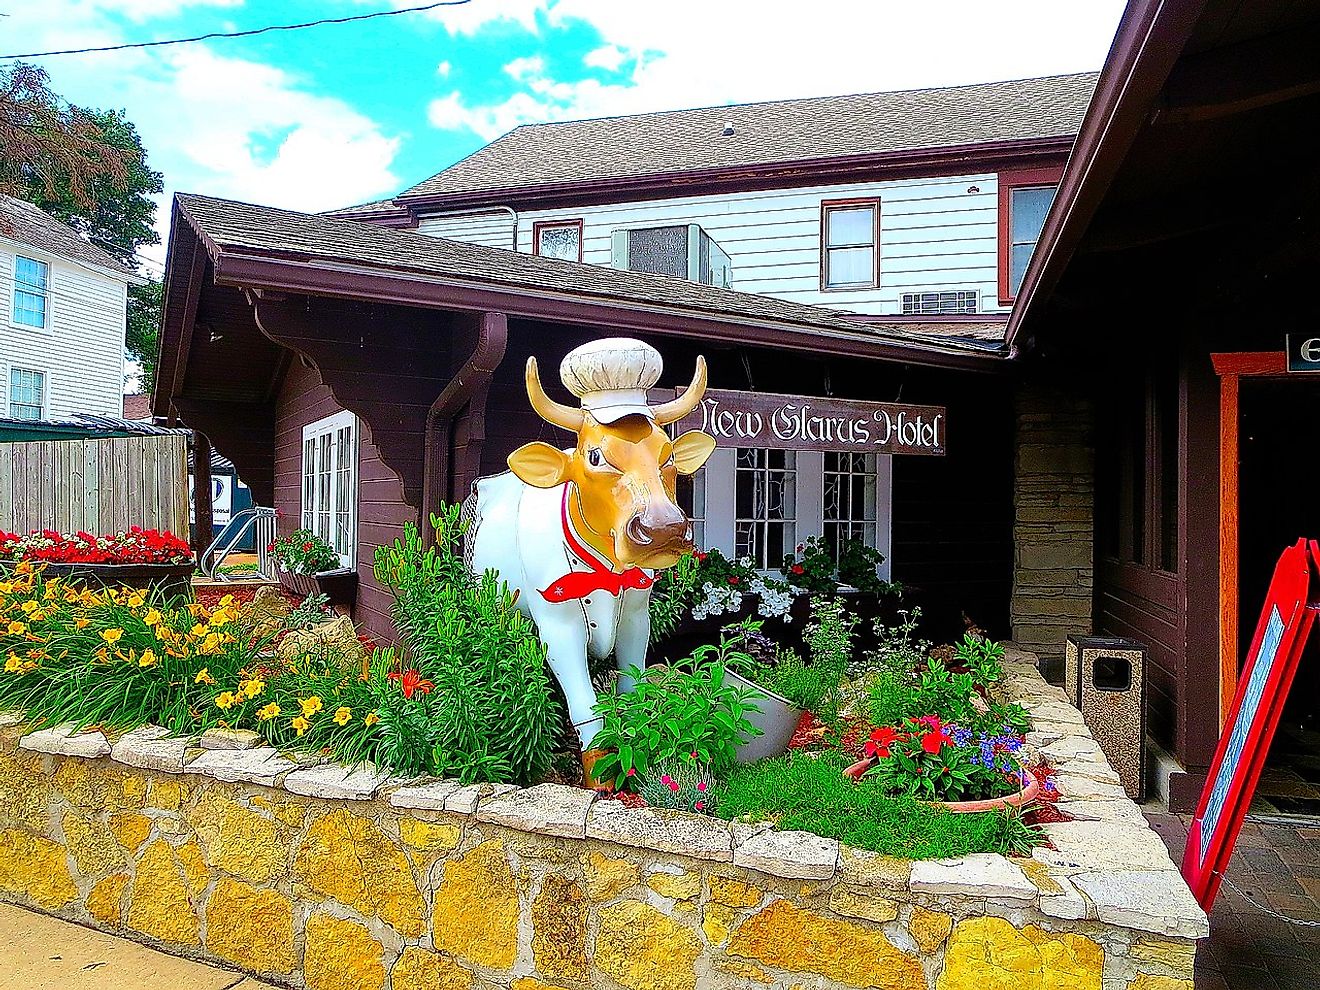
{"points": [[47, 294], [322, 438], [9, 390], [713, 490]]}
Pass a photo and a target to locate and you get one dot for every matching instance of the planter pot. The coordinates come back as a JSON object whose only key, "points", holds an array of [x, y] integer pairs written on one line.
{"points": [[172, 580], [339, 585], [777, 719], [1024, 796]]}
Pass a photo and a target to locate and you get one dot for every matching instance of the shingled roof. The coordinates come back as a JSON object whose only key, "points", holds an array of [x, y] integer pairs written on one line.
{"points": [[233, 228], [28, 224], [766, 133]]}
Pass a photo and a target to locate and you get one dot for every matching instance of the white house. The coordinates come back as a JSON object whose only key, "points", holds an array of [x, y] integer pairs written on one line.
{"points": [[63, 307], [915, 212]]}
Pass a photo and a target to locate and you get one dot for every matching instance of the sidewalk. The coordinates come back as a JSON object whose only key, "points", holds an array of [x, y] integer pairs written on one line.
{"points": [[43, 953], [1248, 949]]}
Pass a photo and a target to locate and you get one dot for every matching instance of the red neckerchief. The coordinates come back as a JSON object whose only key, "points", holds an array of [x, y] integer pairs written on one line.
{"points": [[579, 584]]}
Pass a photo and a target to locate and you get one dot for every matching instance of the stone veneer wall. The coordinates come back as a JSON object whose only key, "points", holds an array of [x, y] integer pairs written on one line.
{"points": [[315, 877], [1053, 527]]}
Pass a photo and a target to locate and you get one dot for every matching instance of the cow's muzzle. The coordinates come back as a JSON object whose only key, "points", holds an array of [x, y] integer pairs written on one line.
{"points": [[663, 530]]}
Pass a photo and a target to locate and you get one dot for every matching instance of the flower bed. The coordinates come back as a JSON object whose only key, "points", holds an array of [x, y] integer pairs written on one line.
{"points": [[136, 558], [320, 877]]}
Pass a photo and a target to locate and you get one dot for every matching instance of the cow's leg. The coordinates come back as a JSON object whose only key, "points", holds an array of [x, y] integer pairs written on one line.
{"points": [[633, 636], [564, 633]]}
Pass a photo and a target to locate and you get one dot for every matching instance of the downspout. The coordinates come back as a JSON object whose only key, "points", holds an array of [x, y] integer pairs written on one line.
{"points": [[475, 374]]}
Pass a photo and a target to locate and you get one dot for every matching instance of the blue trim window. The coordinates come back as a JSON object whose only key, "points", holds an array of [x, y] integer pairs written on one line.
{"points": [[31, 292]]}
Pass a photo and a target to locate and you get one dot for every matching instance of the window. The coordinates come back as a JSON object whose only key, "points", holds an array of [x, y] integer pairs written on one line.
{"points": [[849, 499], [560, 239], [27, 393], [765, 505], [849, 251], [1024, 202], [31, 292], [941, 303], [690, 493], [329, 483]]}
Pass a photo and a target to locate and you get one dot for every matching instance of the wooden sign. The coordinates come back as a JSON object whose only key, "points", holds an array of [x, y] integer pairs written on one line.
{"points": [[802, 422], [1290, 610], [1303, 353]]}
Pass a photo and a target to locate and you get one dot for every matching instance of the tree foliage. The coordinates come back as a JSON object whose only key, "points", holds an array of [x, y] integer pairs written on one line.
{"points": [[87, 168]]}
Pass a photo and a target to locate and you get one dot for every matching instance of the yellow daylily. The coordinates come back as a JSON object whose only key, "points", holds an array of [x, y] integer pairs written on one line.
{"points": [[371, 719], [204, 677], [343, 715], [252, 687], [30, 606], [153, 617], [17, 628], [269, 712], [198, 631], [225, 700], [112, 636], [310, 706], [148, 658], [300, 724], [136, 600], [81, 622]]}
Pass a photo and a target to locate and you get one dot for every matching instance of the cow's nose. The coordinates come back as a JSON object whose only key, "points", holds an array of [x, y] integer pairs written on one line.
{"points": [[638, 532]]}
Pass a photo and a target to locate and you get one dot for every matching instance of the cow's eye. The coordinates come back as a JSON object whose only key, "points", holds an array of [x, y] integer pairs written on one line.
{"points": [[595, 458]]}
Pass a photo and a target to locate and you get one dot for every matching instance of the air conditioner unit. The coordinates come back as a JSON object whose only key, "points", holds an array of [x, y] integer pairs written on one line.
{"points": [[941, 302], [681, 250]]}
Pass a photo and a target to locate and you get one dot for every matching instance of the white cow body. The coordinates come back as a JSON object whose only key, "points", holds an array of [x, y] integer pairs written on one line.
{"points": [[518, 531]]}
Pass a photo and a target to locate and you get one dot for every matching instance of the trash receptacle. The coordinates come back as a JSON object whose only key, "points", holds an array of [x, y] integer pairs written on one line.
{"points": [[1106, 679]]}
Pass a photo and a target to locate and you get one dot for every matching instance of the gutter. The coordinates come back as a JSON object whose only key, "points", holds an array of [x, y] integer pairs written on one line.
{"points": [[473, 377]]}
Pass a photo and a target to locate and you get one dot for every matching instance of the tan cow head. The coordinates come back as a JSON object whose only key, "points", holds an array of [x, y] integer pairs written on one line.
{"points": [[624, 472]]}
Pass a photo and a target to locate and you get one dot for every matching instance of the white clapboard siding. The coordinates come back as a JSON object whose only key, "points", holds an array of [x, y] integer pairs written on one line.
{"points": [[102, 485], [81, 351], [935, 233]]}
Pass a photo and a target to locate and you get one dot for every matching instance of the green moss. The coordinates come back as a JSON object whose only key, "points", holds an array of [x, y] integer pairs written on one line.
{"points": [[800, 791]]}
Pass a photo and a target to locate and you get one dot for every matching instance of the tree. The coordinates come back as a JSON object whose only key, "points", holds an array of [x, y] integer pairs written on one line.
{"points": [[87, 168]]}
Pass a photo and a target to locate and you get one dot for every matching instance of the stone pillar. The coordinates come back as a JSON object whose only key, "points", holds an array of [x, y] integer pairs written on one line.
{"points": [[1054, 517]]}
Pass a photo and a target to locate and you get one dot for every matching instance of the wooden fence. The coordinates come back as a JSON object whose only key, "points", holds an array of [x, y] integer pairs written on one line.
{"points": [[100, 485]]}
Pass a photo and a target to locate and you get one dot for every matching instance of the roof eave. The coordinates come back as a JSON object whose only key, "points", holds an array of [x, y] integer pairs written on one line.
{"points": [[346, 280], [984, 156]]}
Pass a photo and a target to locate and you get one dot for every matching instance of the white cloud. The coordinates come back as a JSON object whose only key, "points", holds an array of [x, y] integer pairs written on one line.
{"points": [[443, 69], [701, 54], [141, 10], [529, 67]]}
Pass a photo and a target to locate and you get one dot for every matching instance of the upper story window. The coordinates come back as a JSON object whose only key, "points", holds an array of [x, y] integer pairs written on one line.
{"points": [[850, 244], [31, 302], [27, 393], [1024, 202], [558, 239]]}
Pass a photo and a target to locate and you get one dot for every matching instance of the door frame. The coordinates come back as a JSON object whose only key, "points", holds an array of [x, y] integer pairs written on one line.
{"points": [[1232, 367]]}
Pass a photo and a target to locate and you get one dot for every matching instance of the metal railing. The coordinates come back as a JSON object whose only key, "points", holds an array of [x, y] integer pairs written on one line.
{"points": [[257, 520]]}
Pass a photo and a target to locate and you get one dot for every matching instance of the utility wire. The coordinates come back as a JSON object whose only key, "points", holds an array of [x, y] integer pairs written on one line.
{"points": [[126, 252], [248, 33]]}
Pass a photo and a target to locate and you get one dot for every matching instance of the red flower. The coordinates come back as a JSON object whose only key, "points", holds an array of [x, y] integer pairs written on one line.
{"points": [[632, 771], [935, 740], [797, 569], [701, 555], [412, 681], [880, 741], [270, 548], [733, 580], [307, 546]]}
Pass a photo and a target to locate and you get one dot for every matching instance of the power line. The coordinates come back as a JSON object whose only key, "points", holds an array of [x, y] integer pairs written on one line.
{"points": [[249, 32], [126, 252]]}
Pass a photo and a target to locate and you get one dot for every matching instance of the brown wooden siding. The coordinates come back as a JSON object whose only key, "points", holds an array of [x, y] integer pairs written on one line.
{"points": [[382, 513]]}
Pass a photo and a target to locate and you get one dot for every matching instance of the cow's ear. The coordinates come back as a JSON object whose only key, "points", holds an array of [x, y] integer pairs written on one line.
{"points": [[691, 450], [539, 464]]}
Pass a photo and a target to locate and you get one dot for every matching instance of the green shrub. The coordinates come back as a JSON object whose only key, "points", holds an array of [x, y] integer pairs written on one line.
{"points": [[830, 639], [673, 595], [674, 712], [492, 713], [859, 566], [303, 552], [800, 791], [681, 784]]}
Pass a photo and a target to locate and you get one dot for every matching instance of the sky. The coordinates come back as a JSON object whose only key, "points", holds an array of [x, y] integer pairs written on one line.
{"points": [[330, 116]]}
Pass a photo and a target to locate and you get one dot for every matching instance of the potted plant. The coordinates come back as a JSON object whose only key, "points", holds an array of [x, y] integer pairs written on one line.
{"points": [[306, 565], [135, 558]]}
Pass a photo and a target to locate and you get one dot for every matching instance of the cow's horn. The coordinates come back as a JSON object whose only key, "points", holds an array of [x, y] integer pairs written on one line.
{"points": [[675, 409], [555, 413]]}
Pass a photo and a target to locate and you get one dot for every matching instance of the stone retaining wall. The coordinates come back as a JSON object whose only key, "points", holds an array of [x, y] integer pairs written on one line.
{"points": [[312, 877]]}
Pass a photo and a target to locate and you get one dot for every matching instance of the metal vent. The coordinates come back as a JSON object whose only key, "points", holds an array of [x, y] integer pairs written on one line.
{"points": [[950, 303], [659, 250]]}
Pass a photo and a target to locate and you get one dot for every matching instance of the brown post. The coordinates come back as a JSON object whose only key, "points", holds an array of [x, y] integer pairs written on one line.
{"points": [[203, 516]]}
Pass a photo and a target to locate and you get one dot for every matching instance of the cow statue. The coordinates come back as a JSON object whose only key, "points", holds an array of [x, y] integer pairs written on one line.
{"points": [[578, 533]]}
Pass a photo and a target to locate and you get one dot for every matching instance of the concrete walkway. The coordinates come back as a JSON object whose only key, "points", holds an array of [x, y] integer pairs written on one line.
{"points": [[42, 953]]}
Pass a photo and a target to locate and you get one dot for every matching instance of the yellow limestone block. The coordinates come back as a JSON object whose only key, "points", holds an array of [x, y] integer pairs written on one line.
{"points": [[644, 949], [93, 845], [744, 970], [288, 813], [1147, 982], [1175, 955], [607, 878], [341, 955], [559, 929], [929, 928], [251, 928], [865, 906], [717, 921], [734, 893], [93, 785], [429, 836], [990, 954], [532, 983], [36, 867], [349, 858], [418, 969], [130, 829], [105, 900], [160, 904], [194, 867], [788, 937], [1039, 874], [237, 839], [679, 886], [24, 791], [476, 908], [167, 794]]}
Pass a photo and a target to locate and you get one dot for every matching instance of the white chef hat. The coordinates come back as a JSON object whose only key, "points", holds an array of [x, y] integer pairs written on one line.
{"points": [[611, 377]]}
